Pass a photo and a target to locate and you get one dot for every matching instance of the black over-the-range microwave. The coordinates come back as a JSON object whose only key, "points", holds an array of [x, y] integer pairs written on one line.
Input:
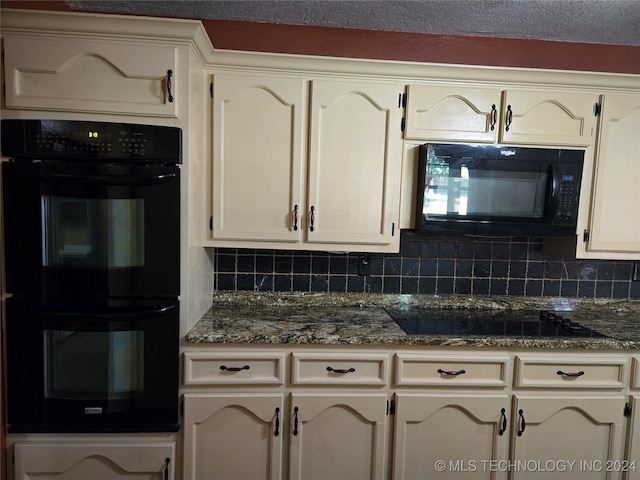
{"points": [[498, 190]]}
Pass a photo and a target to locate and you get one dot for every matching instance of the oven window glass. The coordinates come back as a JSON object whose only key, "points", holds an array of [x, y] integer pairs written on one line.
{"points": [[93, 364], [454, 189], [92, 232]]}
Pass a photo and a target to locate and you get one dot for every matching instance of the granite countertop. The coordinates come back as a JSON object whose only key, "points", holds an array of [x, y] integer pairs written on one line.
{"points": [[361, 319]]}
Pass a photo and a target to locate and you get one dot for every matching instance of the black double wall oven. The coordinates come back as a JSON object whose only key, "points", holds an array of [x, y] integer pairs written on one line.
{"points": [[91, 224]]}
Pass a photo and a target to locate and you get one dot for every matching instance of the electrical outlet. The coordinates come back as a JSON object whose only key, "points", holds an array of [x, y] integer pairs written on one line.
{"points": [[364, 266]]}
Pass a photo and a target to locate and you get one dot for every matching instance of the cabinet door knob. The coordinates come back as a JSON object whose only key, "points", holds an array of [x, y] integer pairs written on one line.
{"points": [[169, 94]]}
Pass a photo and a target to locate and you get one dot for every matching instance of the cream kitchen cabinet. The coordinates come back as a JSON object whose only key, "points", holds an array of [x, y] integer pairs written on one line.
{"points": [[451, 415], [336, 435], [614, 226], [301, 163], [569, 398], [110, 75], [552, 431], [466, 432], [233, 436], [243, 419], [80, 460], [490, 114]]}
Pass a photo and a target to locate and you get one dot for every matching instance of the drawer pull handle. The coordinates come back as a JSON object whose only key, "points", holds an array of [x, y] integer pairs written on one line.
{"points": [[295, 218], [295, 420], [166, 468], [234, 369], [503, 422], [452, 373], [572, 375], [312, 218], [340, 370], [522, 424], [277, 430]]}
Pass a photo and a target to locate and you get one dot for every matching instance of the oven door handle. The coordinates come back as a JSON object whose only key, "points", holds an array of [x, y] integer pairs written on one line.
{"points": [[154, 179], [109, 316]]}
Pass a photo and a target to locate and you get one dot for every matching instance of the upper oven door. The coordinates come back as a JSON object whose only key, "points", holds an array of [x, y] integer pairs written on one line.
{"points": [[78, 229]]}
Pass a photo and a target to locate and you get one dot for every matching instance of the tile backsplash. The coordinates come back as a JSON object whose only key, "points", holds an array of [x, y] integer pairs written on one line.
{"points": [[432, 264]]}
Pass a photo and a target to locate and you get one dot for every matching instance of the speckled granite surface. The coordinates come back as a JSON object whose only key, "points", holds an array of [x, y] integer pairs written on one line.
{"points": [[360, 319]]}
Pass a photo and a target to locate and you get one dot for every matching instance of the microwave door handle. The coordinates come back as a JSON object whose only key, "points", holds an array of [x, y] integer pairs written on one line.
{"points": [[553, 191], [154, 179]]}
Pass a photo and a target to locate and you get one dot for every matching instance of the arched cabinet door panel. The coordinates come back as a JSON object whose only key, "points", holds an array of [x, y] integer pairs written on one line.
{"points": [[554, 429], [233, 436], [459, 430], [115, 460], [337, 436], [103, 76]]}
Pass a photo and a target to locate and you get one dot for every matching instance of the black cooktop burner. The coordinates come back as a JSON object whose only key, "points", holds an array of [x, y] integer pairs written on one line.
{"points": [[532, 323]]}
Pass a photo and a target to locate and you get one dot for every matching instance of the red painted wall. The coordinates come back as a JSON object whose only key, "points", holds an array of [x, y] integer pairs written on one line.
{"points": [[339, 42]]}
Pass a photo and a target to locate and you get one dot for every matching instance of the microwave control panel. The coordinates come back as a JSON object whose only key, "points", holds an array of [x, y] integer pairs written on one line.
{"points": [[567, 198]]}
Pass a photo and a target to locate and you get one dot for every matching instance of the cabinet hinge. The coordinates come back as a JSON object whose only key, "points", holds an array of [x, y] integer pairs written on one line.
{"points": [[597, 108], [391, 407], [585, 236], [402, 124], [211, 89], [627, 410], [402, 100]]}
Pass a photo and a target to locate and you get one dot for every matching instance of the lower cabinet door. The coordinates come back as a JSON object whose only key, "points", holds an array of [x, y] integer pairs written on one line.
{"points": [[450, 436], [337, 436], [568, 437], [632, 465], [94, 460], [233, 436]]}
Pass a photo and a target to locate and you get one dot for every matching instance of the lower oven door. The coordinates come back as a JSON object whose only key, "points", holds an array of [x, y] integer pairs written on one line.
{"points": [[103, 365]]}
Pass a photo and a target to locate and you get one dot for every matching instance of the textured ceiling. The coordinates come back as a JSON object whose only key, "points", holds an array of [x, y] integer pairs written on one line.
{"points": [[588, 21]]}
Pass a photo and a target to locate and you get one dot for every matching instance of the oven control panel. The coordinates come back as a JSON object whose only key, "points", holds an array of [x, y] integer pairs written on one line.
{"points": [[99, 141]]}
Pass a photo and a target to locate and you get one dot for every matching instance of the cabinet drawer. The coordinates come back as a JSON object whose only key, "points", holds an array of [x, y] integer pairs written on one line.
{"points": [[450, 370], [342, 369], [206, 368], [570, 372]]}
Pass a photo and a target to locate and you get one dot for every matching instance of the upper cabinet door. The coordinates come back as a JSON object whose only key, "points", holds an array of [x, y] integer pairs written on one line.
{"points": [[548, 118], [615, 221], [69, 74], [354, 163], [258, 131], [452, 113]]}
